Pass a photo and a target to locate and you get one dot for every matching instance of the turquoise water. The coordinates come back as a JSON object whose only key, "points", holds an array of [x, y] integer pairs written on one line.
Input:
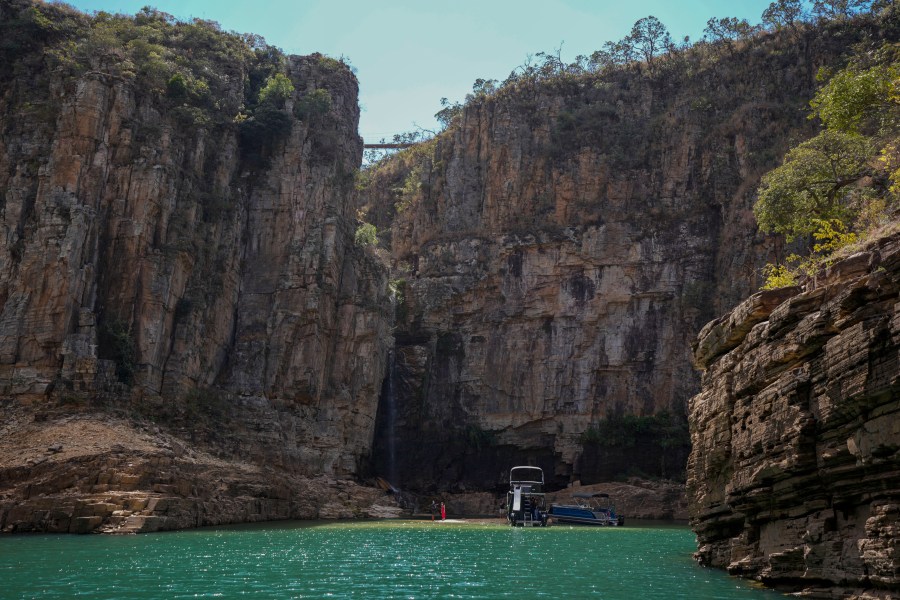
{"points": [[385, 559]]}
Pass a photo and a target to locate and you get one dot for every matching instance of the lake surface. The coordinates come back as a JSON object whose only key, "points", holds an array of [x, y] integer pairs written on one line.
{"points": [[384, 559]]}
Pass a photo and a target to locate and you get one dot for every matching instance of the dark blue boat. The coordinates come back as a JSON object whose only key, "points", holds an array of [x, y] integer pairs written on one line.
{"points": [[587, 509]]}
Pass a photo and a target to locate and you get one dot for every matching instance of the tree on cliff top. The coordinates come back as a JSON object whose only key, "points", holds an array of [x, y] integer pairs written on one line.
{"points": [[277, 90], [727, 30], [846, 180], [815, 183], [838, 9], [784, 13], [650, 37]]}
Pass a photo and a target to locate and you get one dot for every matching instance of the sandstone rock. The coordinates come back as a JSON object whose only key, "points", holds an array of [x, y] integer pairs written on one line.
{"points": [[794, 476], [60, 495], [163, 270], [85, 524], [558, 249], [722, 335]]}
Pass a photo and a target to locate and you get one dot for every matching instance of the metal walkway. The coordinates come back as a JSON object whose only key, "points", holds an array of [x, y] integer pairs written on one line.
{"points": [[386, 146]]}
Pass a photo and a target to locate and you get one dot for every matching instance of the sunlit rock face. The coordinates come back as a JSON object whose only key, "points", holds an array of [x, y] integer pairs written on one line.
{"points": [[561, 245], [151, 263], [794, 476]]}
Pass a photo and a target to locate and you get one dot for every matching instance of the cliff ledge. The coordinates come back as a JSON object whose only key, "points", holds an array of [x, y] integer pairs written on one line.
{"points": [[794, 476]]}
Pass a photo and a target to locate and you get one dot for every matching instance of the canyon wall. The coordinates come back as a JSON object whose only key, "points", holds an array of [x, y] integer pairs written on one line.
{"points": [[558, 248], [794, 476], [189, 331], [162, 259]]}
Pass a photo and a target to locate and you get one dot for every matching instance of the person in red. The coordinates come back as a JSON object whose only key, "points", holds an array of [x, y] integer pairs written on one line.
{"points": [[443, 512]]}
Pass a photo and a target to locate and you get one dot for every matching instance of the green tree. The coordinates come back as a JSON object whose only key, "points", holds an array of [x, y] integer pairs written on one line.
{"points": [[177, 88], [838, 9], [650, 37], [860, 99], [366, 235], [485, 87], [313, 105], [727, 30], [864, 98], [778, 276], [815, 182], [449, 111], [614, 54], [783, 13], [276, 91], [877, 6], [850, 169]]}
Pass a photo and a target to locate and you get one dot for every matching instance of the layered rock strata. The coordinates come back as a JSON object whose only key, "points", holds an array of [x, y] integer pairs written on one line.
{"points": [[91, 473], [266, 304], [794, 476]]}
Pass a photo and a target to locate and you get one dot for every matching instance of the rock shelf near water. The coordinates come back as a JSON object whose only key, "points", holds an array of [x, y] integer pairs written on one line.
{"points": [[111, 476], [794, 477]]}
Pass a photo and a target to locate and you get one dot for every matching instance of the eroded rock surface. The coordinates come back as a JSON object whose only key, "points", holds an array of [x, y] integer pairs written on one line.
{"points": [[160, 264], [794, 476], [559, 247], [266, 307], [91, 473]]}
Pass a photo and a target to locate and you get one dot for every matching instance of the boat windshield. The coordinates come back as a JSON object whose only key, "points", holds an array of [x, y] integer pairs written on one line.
{"points": [[526, 475]]}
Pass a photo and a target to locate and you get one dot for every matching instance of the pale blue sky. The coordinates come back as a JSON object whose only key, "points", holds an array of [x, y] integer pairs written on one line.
{"points": [[409, 54]]}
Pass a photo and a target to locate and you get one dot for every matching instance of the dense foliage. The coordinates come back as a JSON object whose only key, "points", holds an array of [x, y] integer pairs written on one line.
{"points": [[815, 184], [649, 44], [366, 235], [200, 75], [844, 182]]}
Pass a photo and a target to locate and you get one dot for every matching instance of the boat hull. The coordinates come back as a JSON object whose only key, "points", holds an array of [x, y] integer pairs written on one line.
{"points": [[584, 521], [575, 515]]}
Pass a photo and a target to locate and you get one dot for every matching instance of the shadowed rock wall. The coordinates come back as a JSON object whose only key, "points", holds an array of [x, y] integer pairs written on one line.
{"points": [[793, 477]]}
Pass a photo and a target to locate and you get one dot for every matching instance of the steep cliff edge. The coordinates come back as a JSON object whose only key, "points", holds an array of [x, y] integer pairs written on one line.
{"points": [[560, 245], [794, 476], [177, 212]]}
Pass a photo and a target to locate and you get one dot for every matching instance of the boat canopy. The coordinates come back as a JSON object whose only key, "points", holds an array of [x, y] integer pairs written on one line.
{"points": [[526, 475]]}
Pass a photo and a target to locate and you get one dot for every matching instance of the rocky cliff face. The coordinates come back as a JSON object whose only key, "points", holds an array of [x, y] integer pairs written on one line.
{"points": [[558, 248], [177, 269], [793, 478], [158, 260]]}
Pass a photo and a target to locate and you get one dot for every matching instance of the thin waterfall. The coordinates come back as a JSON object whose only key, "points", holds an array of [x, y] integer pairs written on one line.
{"points": [[390, 405]]}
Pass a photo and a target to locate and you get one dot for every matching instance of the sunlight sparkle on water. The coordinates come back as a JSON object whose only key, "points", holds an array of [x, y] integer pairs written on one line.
{"points": [[385, 559]]}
